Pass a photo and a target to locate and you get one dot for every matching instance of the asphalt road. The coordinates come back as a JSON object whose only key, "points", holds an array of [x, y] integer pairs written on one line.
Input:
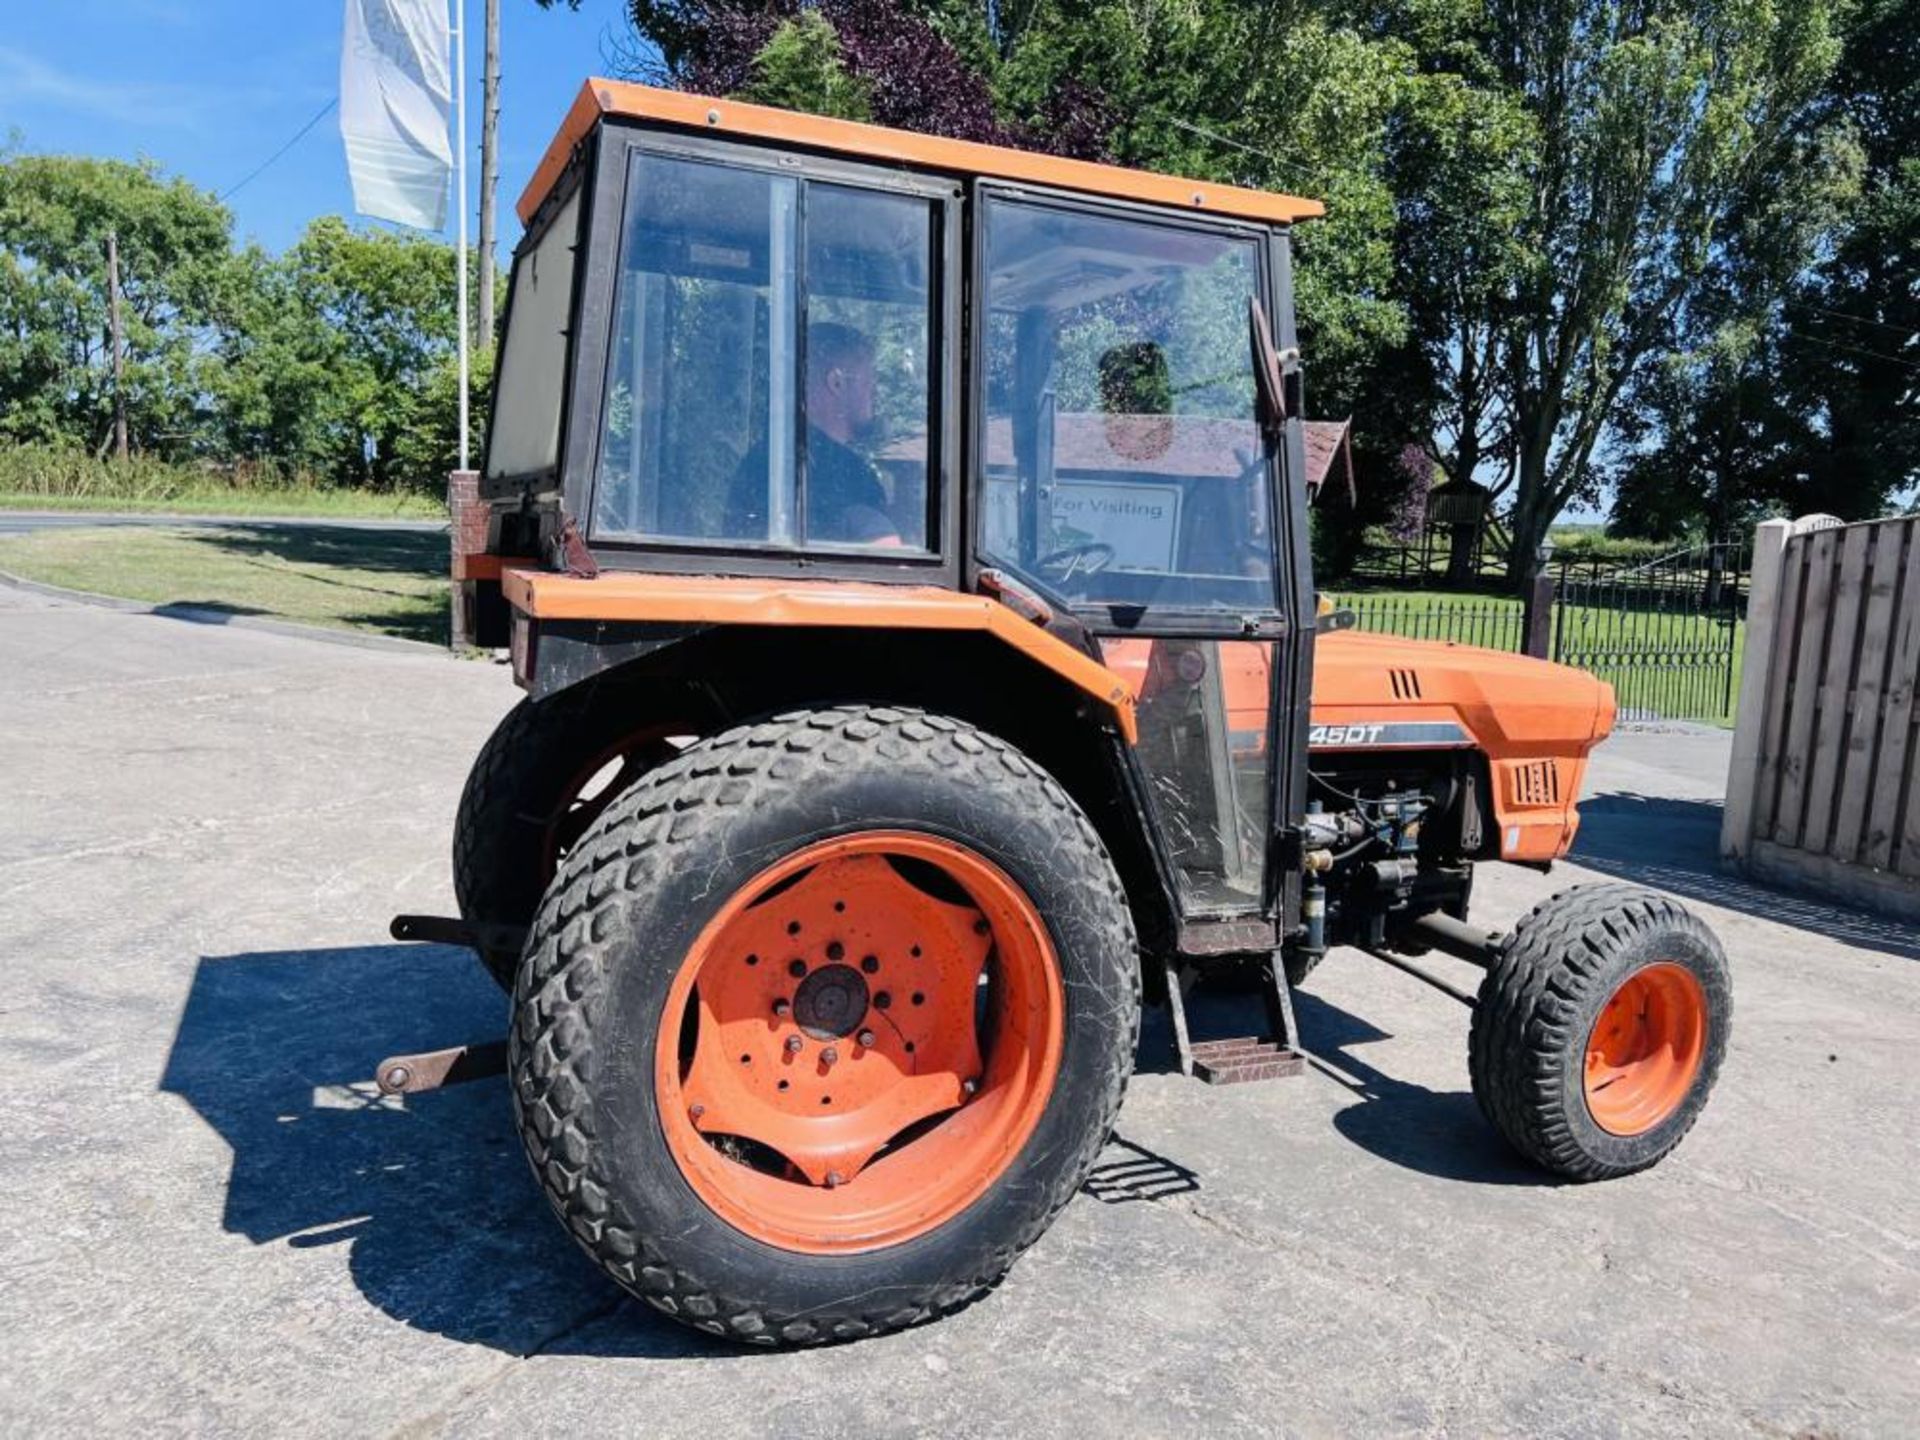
{"points": [[27, 522], [209, 1226]]}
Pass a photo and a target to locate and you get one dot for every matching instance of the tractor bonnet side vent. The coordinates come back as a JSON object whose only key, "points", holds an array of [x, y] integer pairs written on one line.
{"points": [[1537, 782], [1406, 684]]}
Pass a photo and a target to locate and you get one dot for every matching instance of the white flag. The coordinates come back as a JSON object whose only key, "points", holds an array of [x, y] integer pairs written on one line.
{"points": [[396, 90]]}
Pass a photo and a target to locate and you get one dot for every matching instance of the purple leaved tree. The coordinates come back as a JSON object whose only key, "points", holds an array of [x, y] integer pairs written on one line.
{"points": [[915, 79]]}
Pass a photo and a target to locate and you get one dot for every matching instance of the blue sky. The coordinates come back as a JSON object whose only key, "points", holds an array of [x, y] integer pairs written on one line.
{"points": [[210, 88]]}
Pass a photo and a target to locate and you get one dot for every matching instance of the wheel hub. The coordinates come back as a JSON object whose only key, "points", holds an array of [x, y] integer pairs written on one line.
{"points": [[1645, 1049], [830, 1002], [860, 1041]]}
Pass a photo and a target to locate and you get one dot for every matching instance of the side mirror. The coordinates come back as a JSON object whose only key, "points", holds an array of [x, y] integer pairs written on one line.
{"points": [[1270, 395], [1269, 376]]}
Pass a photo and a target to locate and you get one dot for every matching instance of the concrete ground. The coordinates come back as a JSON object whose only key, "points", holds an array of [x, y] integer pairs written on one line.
{"points": [[207, 1225]]}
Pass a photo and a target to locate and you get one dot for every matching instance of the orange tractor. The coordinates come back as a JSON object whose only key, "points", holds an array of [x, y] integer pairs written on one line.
{"points": [[903, 545]]}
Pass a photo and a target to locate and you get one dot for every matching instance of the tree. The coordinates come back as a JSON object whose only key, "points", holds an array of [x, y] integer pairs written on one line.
{"points": [[1659, 127], [1794, 384], [55, 365], [1614, 167], [1852, 348], [379, 308], [801, 68]]}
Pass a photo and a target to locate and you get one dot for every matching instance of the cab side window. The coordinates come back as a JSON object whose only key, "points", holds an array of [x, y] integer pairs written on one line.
{"points": [[771, 377]]}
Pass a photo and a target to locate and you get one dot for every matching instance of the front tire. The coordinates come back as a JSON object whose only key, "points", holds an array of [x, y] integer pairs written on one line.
{"points": [[717, 1099], [1600, 1030]]}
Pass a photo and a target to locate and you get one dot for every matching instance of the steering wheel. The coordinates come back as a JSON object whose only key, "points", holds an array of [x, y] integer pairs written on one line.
{"points": [[1088, 559]]}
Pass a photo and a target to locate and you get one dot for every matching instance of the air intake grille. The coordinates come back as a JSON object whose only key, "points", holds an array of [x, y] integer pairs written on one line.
{"points": [[1406, 684], [1536, 783]]}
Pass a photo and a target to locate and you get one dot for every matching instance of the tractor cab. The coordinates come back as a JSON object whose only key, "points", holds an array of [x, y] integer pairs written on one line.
{"points": [[748, 346]]}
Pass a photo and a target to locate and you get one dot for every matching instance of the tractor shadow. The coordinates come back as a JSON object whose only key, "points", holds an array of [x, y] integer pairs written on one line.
{"points": [[446, 1229], [1434, 1132], [1674, 845]]}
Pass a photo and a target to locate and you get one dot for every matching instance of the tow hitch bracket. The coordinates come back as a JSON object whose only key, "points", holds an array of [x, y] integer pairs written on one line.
{"points": [[447, 930], [412, 1074]]}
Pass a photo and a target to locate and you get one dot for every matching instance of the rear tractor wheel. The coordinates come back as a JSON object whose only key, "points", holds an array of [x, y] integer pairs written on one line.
{"points": [[545, 774], [822, 1022], [1600, 1030]]}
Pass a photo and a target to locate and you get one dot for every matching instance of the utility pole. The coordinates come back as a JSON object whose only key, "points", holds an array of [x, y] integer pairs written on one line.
{"points": [[489, 173], [119, 348]]}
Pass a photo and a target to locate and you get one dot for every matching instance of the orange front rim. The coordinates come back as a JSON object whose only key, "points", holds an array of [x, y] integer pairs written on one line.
{"points": [[1645, 1048], [860, 1042]]}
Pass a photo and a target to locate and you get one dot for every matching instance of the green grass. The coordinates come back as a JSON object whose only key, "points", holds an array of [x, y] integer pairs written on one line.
{"points": [[292, 504], [40, 477], [386, 582]]}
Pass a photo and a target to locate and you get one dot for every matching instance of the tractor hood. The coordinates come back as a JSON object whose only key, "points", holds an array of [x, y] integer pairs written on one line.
{"points": [[1535, 721]]}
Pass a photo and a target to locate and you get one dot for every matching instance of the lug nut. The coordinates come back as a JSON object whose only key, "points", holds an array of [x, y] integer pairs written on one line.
{"points": [[796, 968], [829, 1056], [835, 950], [870, 964], [865, 1038], [970, 1086], [781, 1007], [883, 1000], [697, 1111], [794, 1044]]}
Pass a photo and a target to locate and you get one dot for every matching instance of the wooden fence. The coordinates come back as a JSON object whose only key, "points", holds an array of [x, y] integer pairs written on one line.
{"points": [[1824, 788]]}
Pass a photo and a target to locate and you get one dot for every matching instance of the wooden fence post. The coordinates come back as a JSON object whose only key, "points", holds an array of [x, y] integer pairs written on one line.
{"points": [[1537, 623], [1750, 713]]}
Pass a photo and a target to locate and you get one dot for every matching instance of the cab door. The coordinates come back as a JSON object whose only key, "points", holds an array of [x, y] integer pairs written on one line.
{"points": [[1120, 468]]}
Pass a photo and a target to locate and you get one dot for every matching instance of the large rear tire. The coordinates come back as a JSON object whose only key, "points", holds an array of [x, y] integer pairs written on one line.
{"points": [[545, 774], [1600, 1030], [823, 1022]]}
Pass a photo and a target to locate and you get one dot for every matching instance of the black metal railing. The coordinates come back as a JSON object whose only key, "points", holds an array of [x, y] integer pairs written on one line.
{"points": [[1497, 622], [1665, 633]]}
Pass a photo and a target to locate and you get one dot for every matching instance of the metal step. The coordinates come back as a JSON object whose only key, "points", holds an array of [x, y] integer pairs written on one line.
{"points": [[1244, 1059]]}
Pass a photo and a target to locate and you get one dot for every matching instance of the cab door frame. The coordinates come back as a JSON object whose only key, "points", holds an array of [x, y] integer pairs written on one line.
{"points": [[1287, 627]]}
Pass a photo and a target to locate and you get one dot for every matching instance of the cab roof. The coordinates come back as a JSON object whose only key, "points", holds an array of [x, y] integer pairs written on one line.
{"points": [[617, 99]]}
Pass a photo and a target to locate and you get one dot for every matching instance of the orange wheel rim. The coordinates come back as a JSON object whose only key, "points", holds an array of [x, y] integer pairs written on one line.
{"points": [[1645, 1048], [860, 1042]]}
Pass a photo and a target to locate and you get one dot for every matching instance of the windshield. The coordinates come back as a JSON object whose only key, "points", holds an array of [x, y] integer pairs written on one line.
{"points": [[1122, 459]]}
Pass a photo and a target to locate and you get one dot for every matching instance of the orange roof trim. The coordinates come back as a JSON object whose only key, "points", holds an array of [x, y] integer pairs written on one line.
{"points": [[601, 98], [721, 600]]}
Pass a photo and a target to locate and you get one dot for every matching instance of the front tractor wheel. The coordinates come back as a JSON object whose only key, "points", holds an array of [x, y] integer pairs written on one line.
{"points": [[1600, 1030], [822, 1022]]}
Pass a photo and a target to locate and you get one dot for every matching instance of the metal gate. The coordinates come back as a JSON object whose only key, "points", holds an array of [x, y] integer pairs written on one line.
{"points": [[1665, 633]]}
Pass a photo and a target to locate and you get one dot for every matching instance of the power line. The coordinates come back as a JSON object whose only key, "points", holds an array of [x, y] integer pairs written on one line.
{"points": [[1294, 165], [1857, 319], [1857, 350], [298, 136]]}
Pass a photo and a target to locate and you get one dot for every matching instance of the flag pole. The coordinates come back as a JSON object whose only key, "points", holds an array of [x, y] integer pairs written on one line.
{"points": [[460, 150]]}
